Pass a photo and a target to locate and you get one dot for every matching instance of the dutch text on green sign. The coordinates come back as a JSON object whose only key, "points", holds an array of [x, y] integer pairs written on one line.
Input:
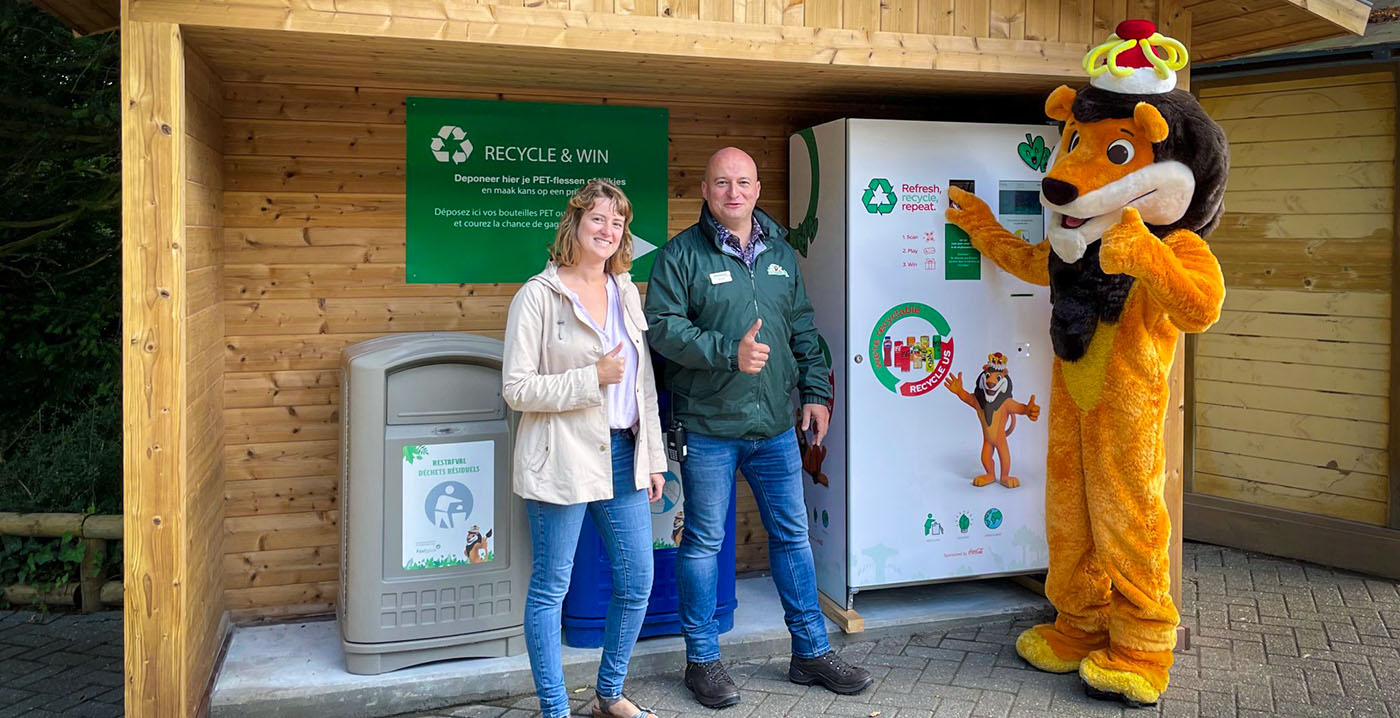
{"points": [[488, 180]]}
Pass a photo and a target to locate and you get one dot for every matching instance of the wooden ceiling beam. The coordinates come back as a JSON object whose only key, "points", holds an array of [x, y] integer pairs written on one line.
{"points": [[1350, 15], [439, 26], [84, 17]]}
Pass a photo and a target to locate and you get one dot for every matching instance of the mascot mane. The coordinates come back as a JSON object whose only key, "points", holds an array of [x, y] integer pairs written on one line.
{"points": [[1081, 293], [1194, 140]]}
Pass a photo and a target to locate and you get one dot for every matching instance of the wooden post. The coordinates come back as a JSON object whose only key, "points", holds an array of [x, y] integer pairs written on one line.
{"points": [[92, 573], [153, 367]]}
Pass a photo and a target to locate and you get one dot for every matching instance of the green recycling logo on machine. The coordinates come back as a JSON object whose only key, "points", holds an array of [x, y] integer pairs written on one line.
{"points": [[879, 197]]}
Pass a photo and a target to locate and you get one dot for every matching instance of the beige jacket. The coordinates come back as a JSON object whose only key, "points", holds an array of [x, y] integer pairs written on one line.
{"points": [[563, 451]]}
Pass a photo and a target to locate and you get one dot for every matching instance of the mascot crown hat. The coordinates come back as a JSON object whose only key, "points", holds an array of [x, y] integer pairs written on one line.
{"points": [[996, 361], [1136, 60]]}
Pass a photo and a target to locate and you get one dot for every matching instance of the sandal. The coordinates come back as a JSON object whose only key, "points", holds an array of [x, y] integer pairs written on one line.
{"points": [[602, 708]]}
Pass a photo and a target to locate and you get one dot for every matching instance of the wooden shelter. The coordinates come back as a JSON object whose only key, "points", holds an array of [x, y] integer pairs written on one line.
{"points": [[263, 151], [1293, 393]]}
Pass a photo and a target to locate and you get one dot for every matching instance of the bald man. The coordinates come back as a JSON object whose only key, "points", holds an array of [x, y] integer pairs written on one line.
{"points": [[727, 308]]}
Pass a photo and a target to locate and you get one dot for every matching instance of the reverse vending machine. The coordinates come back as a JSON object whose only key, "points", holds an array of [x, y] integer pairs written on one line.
{"points": [[935, 353]]}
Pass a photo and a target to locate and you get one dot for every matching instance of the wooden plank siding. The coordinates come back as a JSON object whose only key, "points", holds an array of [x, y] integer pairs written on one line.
{"points": [[204, 327], [1292, 387], [1087, 21], [313, 260], [312, 257], [1222, 28], [172, 371]]}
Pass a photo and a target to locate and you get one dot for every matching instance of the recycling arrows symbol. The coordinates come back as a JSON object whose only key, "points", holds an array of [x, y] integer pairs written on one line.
{"points": [[879, 197], [447, 153]]}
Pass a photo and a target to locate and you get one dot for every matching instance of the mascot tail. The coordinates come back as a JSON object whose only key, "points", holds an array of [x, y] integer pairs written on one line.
{"points": [[1011, 425]]}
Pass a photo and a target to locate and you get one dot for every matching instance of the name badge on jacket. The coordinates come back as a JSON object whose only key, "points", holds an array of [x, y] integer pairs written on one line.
{"points": [[720, 277]]}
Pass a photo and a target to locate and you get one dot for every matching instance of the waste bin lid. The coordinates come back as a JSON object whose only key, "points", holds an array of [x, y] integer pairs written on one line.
{"points": [[444, 392]]}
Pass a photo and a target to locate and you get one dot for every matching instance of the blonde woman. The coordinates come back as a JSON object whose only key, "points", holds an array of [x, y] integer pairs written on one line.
{"points": [[589, 441]]}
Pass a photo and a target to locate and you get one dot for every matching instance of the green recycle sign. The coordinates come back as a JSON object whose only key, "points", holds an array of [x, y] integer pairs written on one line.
{"points": [[881, 203]]}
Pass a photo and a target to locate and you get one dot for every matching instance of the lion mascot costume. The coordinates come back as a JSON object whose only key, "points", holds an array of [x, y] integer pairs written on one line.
{"points": [[1137, 181]]}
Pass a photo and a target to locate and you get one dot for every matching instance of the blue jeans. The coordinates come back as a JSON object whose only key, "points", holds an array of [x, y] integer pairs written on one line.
{"points": [[774, 471], [624, 523]]}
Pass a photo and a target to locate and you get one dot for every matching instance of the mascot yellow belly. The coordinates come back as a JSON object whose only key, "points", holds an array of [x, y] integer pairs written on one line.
{"points": [[1138, 179]]}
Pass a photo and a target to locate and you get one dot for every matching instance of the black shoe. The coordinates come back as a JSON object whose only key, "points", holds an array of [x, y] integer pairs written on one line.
{"points": [[1099, 695], [711, 684], [833, 673]]}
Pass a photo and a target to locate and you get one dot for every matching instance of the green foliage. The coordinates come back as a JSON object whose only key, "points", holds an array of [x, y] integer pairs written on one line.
{"points": [[60, 267], [436, 563], [38, 561], [46, 563], [63, 461]]}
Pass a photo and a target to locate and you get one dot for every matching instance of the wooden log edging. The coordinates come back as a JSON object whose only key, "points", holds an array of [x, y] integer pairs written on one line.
{"points": [[64, 594], [93, 532]]}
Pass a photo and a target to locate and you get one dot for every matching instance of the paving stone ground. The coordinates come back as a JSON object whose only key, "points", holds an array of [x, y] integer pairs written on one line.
{"points": [[1270, 636], [60, 664]]}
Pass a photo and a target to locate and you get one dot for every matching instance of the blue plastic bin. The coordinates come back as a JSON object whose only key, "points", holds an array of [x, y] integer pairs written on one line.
{"points": [[586, 604]]}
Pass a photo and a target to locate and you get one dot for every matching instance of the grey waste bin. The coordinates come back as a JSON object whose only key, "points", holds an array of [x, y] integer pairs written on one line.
{"points": [[435, 550]]}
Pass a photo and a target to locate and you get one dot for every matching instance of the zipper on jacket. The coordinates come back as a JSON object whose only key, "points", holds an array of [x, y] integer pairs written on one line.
{"points": [[753, 278], [758, 314]]}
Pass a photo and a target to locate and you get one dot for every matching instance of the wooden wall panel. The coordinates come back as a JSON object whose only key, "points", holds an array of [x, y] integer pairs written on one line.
{"points": [[1008, 19], [172, 371], [312, 250], [1043, 20], [307, 235], [1077, 21], [204, 499], [1292, 387], [312, 253], [1223, 28]]}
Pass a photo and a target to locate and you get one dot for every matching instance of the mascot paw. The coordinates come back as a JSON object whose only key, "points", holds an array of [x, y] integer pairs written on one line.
{"points": [[1032, 646], [1115, 684], [983, 480], [1122, 243], [1010, 482], [970, 211]]}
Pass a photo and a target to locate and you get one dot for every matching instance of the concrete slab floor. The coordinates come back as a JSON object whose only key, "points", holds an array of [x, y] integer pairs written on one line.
{"points": [[1270, 636], [294, 670]]}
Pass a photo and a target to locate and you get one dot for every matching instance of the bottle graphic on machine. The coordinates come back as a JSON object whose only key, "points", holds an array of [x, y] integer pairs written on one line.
{"points": [[898, 356], [889, 348], [916, 358]]}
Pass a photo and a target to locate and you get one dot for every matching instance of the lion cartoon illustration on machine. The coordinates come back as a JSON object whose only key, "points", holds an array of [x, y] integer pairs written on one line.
{"points": [[991, 398], [1137, 180], [677, 528], [477, 550]]}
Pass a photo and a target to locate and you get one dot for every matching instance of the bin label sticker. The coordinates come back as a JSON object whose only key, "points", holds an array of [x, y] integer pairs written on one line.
{"points": [[667, 514], [448, 504]]}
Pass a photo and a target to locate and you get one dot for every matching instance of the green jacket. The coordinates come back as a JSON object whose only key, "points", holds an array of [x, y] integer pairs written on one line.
{"points": [[701, 301]]}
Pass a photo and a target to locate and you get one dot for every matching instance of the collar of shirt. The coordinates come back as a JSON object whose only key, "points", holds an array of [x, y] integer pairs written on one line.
{"points": [[729, 240]]}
